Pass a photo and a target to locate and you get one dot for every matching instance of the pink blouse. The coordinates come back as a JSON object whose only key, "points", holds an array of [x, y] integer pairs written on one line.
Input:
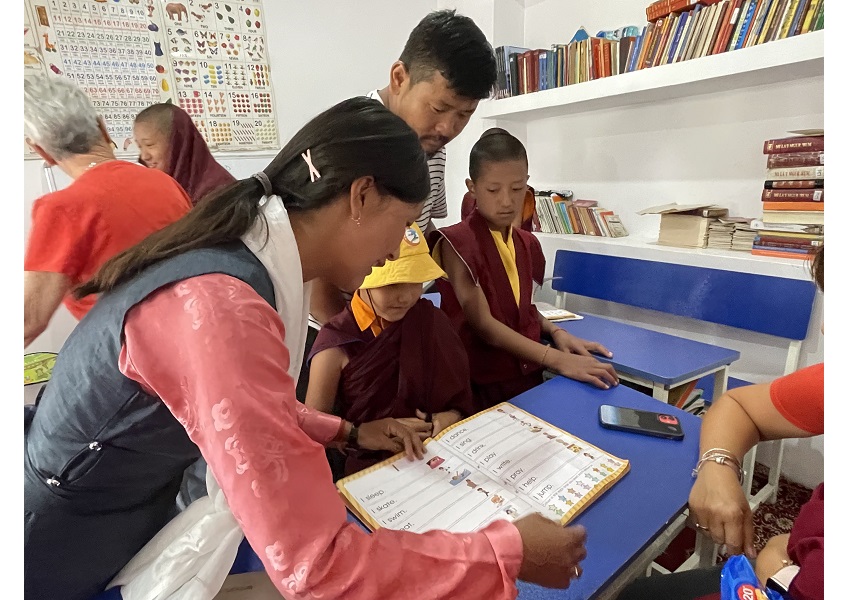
{"points": [[212, 349]]}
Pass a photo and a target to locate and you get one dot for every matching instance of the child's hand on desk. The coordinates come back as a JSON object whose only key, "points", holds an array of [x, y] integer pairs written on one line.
{"points": [[582, 368], [567, 342], [550, 553]]}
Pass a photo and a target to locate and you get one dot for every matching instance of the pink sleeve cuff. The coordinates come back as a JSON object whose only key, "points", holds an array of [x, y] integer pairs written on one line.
{"points": [[321, 427], [507, 544]]}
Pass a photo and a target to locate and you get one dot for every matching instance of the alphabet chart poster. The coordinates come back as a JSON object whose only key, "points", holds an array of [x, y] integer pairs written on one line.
{"points": [[208, 57], [502, 463]]}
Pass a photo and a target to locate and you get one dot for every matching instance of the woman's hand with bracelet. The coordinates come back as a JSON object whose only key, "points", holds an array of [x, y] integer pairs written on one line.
{"points": [[719, 508]]}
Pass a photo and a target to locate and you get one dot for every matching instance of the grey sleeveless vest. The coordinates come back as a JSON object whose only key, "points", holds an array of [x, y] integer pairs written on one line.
{"points": [[103, 460]]}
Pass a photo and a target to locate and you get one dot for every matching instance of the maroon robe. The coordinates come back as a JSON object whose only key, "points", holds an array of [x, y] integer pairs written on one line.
{"points": [[190, 161], [416, 363], [497, 375]]}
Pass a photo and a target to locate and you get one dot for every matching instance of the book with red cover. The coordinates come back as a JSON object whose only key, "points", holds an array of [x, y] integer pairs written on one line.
{"points": [[725, 33], [595, 58], [794, 184], [810, 195], [770, 205], [795, 159], [797, 143], [606, 58], [666, 25], [779, 242]]}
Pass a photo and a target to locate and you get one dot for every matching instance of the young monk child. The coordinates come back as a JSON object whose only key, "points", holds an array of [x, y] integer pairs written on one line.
{"points": [[392, 354], [492, 267]]}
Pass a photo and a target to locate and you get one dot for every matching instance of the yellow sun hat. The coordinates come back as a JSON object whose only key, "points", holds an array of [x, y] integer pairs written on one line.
{"points": [[413, 265]]}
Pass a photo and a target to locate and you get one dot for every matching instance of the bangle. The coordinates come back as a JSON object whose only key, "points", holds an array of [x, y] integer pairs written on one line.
{"points": [[721, 457], [353, 434], [543, 362]]}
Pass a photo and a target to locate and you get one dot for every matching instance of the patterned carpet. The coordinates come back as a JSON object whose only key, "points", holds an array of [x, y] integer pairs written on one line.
{"points": [[769, 519]]}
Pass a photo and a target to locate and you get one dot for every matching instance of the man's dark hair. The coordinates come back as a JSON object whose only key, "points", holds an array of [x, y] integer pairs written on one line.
{"points": [[454, 46], [494, 145]]}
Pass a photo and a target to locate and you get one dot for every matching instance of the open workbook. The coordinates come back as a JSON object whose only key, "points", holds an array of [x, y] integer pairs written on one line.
{"points": [[502, 463]]}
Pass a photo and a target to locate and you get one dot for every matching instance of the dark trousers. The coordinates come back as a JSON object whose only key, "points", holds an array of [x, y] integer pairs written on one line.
{"points": [[687, 585]]}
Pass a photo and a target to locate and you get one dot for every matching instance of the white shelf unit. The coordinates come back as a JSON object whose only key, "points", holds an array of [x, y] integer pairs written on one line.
{"points": [[642, 248], [793, 58]]}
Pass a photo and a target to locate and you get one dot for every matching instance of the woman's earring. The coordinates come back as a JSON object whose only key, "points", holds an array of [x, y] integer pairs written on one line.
{"points": [[356, 221]]}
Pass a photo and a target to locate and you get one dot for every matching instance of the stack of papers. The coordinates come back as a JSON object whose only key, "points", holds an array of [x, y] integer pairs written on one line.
{"points": [[743, 237], [556, 314], [720, 235]]}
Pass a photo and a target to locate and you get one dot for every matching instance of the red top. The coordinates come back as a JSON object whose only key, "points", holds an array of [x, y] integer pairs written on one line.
{"points": [[107, 209], [799, 397]]}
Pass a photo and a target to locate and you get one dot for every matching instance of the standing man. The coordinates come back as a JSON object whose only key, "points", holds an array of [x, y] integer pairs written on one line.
{"points": [[447, 66]]}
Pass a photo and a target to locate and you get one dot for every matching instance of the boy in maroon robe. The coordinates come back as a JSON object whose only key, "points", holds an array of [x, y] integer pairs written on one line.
{"points": [[492, 267], [392, 354]]}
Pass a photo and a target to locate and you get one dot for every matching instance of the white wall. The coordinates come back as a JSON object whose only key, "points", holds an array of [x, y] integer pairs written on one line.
{"points": [[325, 51]]}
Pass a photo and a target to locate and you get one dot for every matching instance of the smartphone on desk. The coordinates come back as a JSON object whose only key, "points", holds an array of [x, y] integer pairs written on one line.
{"points": [[641, 421]]}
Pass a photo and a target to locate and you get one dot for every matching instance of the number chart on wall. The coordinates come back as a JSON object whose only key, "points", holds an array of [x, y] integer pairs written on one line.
{"points": [[208, 57]]}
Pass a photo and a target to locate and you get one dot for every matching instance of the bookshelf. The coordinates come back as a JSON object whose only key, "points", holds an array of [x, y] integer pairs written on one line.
{"points": [[649, 249], [779, 61]]}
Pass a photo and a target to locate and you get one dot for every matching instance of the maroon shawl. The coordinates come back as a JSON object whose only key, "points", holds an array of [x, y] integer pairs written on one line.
{"points": [[190, 161], [416, 363]]}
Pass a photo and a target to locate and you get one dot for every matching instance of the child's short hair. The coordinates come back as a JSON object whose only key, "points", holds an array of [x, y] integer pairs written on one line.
{"points": [[494, 145]]}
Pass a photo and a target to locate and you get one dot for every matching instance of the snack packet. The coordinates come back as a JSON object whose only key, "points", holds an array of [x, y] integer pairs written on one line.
{"points": [[738, 581]]}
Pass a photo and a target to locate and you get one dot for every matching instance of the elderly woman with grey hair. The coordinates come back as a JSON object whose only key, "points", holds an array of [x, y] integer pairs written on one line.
{"points": [[110, 205]]}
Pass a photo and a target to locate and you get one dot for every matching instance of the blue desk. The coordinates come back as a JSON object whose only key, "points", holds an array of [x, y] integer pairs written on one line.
{"points": [[434, 297], [656, 360], [623, 524]]}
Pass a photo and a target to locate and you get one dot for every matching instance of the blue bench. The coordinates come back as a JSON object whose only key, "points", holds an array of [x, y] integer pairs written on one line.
{"points": [[775, 306]]}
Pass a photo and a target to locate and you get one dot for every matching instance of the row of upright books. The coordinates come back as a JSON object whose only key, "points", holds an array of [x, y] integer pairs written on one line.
{"points": [[678, 30], [559, 213], [792, 219]]}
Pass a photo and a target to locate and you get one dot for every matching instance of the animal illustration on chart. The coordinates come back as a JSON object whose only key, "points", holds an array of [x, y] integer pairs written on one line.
{"points": [[48, 46], [176, 11]]}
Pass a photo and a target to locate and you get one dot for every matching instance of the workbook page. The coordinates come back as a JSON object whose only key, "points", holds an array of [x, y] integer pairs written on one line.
{"points": [[502, 463]]}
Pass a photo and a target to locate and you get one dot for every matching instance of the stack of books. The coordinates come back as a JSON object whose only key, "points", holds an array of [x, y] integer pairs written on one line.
{"points": [[722, 230], [743, 236], [559, 213], [677, 30], [685, 225], [793, 197]]}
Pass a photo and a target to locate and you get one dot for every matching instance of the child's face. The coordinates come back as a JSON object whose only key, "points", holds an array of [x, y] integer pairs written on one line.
{"points": [[500, 191], [391, 302]]}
